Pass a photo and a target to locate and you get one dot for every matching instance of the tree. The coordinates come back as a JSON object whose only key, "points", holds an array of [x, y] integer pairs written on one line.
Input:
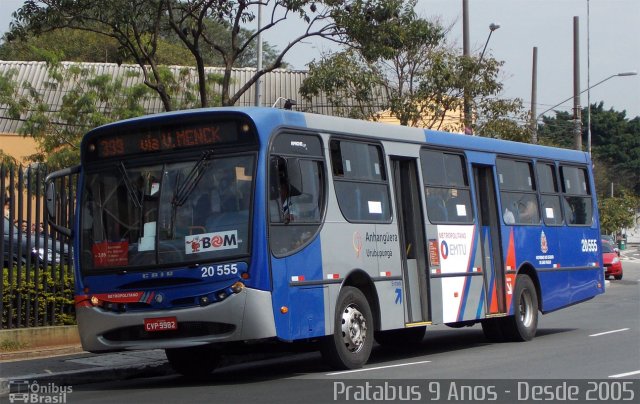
{"points": [[615, 144], [398, 61], [69, 44], [618, 213], [91, 100], [139, 26], [84, 46]]}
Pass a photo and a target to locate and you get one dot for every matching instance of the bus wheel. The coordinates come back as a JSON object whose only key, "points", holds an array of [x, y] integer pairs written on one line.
{"points": [[522, 326], [402, 337], [350, 345], [195, 362]]}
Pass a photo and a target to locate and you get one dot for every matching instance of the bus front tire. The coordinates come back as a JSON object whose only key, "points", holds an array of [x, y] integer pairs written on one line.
{"points": [[194, 362], [350, 345], [523, 324]]}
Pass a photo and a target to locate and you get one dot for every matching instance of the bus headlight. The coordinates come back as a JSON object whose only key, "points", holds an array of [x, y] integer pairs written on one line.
{"points": [[237, 287]]}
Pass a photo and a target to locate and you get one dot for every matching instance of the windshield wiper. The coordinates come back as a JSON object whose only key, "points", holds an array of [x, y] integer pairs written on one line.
{"points": [[191, 180], [127, 182]]}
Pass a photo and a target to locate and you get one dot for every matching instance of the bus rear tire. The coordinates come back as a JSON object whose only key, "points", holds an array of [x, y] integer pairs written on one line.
{"points": [[350, 345], [194, 362], [401, 338], [523, 324]]}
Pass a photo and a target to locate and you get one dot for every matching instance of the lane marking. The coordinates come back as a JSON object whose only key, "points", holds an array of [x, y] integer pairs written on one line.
{"points": [[376, 368], [635, 372], [608, 332]]}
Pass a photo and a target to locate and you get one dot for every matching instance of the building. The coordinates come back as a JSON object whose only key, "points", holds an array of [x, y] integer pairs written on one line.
{"points": [[278, 86]]}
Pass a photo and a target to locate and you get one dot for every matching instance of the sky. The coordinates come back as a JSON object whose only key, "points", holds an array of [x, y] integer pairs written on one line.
{"points": [[609, 32]]}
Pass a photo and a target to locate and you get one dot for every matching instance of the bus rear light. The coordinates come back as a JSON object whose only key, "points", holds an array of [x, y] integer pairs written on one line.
{"points": [[245, 275], [237, 287]]}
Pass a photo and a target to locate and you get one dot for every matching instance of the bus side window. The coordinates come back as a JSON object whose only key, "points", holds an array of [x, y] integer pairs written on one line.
{"points": [[446, 187], [577, 199], [551, 210], [360, 181], [295, 213]]}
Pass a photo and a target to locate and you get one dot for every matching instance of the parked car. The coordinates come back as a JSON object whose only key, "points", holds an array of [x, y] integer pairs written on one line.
{"points": [[612, 263], [612, 241], [20, 248]]}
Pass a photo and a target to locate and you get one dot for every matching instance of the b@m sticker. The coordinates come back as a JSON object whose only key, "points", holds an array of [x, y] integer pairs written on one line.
{"points": [[208, 242]]}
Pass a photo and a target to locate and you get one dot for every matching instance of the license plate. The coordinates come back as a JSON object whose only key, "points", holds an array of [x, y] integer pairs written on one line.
{"points": [[160, 324]]}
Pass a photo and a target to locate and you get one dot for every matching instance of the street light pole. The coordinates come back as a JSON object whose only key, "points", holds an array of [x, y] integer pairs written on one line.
{"points": [[467, 97], [621, 74], [492, 27]]}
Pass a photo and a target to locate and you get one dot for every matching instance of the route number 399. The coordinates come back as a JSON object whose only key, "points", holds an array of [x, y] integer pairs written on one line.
{"points": [[589, 245], [219, 270]]}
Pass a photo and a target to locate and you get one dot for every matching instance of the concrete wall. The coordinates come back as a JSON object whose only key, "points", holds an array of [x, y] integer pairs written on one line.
{"points": [[37, 337]]}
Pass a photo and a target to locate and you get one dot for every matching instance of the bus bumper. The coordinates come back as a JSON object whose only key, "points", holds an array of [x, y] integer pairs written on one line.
{"points": [[244, 316]]}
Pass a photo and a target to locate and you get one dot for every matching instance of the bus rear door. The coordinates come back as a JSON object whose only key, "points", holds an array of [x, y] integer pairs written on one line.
{"points": [[489, 228]]}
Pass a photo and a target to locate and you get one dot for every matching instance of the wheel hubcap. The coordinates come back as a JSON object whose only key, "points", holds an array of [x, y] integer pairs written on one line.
{"points": [[526, 314], [354, 329]]}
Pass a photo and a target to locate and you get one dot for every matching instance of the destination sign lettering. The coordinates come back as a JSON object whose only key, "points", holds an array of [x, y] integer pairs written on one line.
{"points": [[167, 138]]}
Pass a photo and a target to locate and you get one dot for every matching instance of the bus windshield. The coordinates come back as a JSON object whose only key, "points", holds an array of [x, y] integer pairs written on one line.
{"points": [[173, 213]]}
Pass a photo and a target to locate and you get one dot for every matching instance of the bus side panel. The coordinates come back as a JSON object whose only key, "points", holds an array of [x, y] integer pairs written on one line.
{"points": [[567, 274], [586, 284], [539, 246], [305, 304], [554, 285], [458, 295], [580, 251], [350, 248]]}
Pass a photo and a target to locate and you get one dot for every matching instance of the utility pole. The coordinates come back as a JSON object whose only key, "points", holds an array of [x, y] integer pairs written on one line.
{"points": [[534, 97], [577, 110]]}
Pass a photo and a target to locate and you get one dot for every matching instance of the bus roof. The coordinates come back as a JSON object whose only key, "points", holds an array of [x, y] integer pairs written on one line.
{"points": [[268, 119]]}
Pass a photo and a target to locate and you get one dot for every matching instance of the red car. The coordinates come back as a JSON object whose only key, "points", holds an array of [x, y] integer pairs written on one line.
{"points": [[612, 263]]}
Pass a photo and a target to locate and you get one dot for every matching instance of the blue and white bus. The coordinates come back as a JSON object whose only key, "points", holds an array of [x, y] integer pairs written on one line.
{"points": [[197, 230]]}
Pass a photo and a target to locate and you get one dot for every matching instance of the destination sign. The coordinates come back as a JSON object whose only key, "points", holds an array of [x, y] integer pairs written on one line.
{"points": [[169, 138]]}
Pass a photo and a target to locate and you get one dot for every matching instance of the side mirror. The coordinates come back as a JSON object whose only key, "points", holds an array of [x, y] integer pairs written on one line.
{"points": [[53, 203]]}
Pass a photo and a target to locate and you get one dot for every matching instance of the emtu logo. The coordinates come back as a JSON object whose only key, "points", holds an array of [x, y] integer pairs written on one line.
{"points": [[444, 249]]}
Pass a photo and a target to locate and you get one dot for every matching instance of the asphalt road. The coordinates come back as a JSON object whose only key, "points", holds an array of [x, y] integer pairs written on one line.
{"points": [[598, 339]]}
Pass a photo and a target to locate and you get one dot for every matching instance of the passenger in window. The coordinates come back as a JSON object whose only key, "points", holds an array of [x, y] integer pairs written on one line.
{"points": [[508, 216], [529, 212], [281, 209], [436, 207], [452, 203]]}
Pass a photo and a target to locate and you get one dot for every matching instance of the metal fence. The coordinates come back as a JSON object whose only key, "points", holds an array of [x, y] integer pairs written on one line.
{"points": [[37, 274]]}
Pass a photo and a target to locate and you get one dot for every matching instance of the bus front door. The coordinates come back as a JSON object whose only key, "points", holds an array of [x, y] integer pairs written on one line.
{"points": [[489, 228], [412, 240]]}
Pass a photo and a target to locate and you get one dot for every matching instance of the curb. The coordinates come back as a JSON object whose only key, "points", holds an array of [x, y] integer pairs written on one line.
{"points": [[83, 376], [43, 352]]}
